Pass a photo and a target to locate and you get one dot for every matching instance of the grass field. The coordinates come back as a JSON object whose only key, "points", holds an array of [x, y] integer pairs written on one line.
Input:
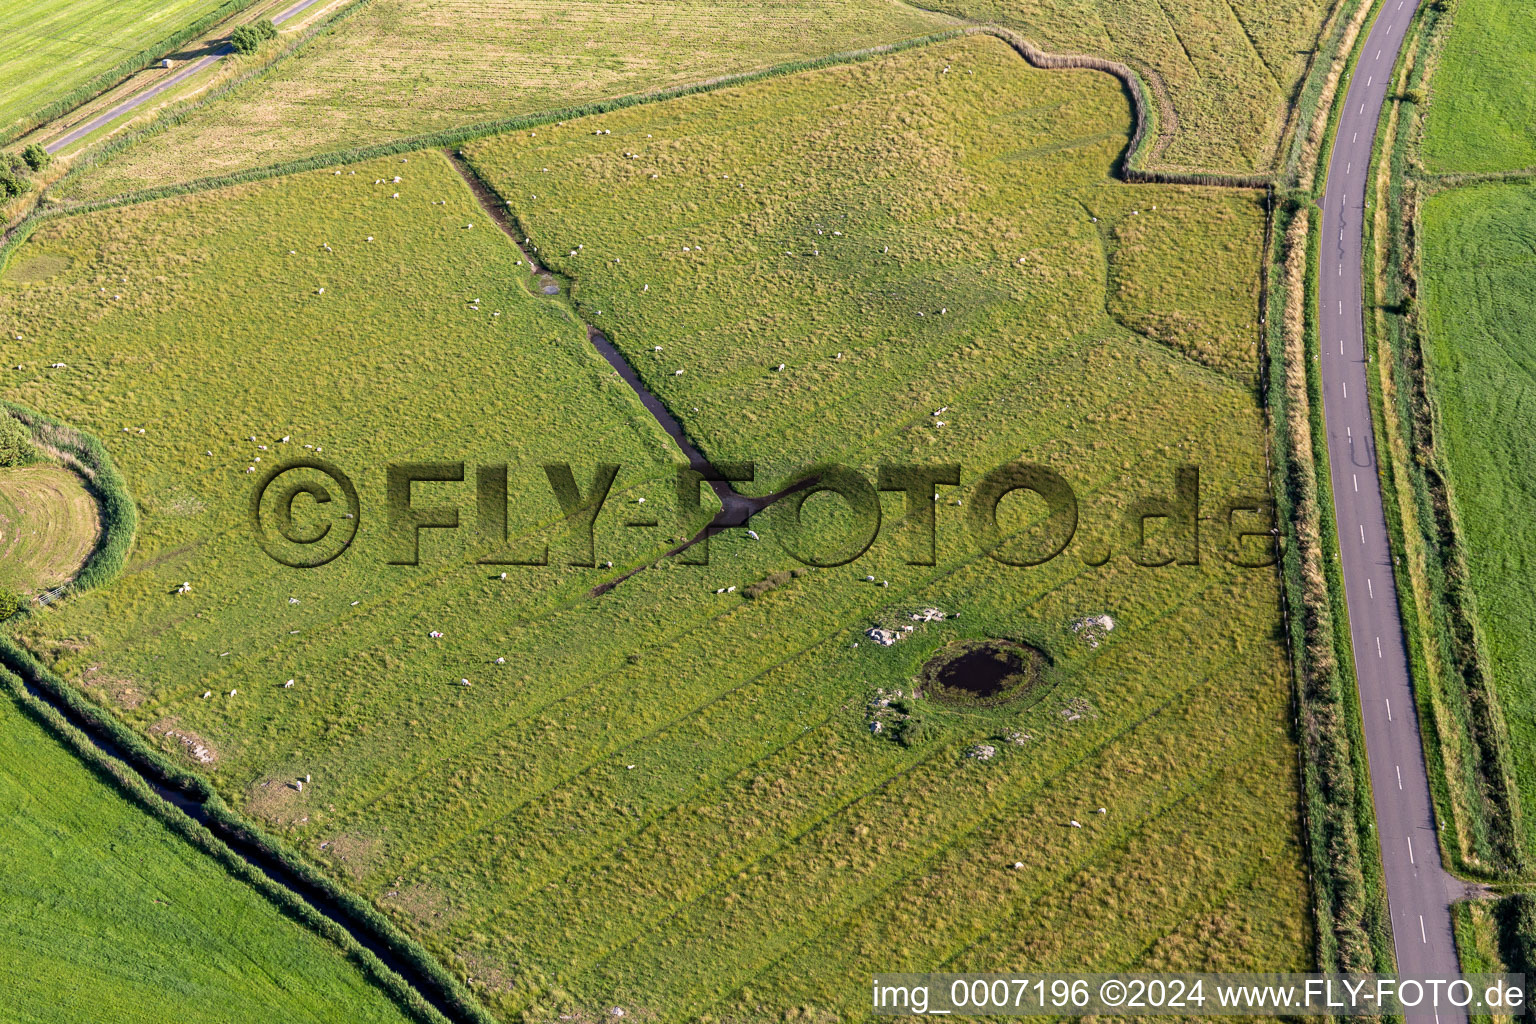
{"points": [[1482, 114], [669, 798], [50, 47], [415, 65], [1229, 66], [1479, 298], [107, 915], [422, 65], [48, 525]]}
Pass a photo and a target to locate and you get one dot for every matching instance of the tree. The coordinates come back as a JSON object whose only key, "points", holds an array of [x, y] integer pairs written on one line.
{"points": [[36, 157], [10, 603], [12, 184], [248, 38], [15, 442]]}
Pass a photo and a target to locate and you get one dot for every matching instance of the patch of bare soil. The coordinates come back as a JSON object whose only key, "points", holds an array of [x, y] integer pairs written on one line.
{"points": [[277, 801], [353, 853], [193, 746], [422, 902], [120, 690]]}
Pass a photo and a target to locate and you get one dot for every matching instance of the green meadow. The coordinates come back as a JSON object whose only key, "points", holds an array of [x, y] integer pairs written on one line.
{"points": [[1227, 67], [419, 66], [671, 798], [1483, 104], [106, 914], [1224, 72], [1479, 298], [51, 47]]}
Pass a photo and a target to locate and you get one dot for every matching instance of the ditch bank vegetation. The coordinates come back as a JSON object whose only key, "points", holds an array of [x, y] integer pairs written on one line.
{"points": [[1349, 897]]}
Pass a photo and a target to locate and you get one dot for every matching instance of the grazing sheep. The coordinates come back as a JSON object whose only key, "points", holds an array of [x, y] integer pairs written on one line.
{"points": [[288, 685]]}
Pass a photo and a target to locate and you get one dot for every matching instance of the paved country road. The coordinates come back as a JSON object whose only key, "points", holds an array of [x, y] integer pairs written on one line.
{"points": [[139, 99], [1419, 890]]}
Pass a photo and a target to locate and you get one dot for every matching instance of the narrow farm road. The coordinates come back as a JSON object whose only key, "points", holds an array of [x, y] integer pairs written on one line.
{"points": [[139, 99], [1419, 890]]}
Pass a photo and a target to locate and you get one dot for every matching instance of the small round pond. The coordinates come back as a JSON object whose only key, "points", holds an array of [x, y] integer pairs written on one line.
{"points": [[984, 672]]}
